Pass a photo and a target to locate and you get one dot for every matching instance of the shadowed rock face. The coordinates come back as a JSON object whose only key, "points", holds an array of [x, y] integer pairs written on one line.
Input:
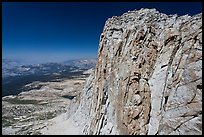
{"points": [[148, 77]]}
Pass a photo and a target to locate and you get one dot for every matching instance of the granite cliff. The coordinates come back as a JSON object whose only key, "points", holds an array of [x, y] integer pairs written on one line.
{"points": [[148, 77]]}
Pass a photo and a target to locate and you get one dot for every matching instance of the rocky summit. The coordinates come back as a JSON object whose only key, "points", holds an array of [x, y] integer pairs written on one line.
{"points": [[148, 77], [147, 81]]}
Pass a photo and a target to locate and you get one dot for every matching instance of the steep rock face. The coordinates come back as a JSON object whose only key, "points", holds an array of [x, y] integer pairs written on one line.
{"points": [[148, 78]]}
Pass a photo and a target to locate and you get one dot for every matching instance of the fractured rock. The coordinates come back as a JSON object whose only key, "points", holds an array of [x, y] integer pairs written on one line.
{"points": [[149, 70]]}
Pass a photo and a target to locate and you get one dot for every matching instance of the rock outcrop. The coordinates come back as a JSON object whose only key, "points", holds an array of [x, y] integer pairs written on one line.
{"points": [[148, 78]]}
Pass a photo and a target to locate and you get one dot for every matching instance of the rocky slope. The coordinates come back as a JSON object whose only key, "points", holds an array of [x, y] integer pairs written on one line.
{"points": [[148, 78], [34, 111]]}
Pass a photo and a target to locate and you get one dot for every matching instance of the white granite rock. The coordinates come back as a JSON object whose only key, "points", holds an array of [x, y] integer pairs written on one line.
{"points": [[148, 77]]}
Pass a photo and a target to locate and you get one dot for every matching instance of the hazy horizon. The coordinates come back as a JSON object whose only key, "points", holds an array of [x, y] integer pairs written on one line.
{"points": [[23, 61], [46, 59], [38, 32]]}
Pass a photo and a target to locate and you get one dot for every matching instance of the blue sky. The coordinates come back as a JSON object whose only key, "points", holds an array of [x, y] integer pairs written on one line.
{"points": [[56, 31]]}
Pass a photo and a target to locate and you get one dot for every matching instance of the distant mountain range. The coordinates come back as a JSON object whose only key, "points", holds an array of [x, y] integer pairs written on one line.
{"points": [[15, 68], [15, 75], [82, 63]]}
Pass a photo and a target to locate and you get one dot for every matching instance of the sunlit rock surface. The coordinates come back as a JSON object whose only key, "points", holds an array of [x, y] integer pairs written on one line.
{"points": [[148, 78]]}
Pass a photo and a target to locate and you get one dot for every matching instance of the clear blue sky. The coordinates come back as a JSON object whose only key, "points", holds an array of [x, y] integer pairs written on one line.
{"points": [[57, 31]]}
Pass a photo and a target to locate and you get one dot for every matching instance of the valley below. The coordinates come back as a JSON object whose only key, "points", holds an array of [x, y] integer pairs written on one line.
{"points": [[37, 98], [33, 112]]}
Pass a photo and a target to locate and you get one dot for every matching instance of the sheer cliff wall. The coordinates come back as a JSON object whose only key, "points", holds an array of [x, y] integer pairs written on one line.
{"points": [[148, 78]]}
